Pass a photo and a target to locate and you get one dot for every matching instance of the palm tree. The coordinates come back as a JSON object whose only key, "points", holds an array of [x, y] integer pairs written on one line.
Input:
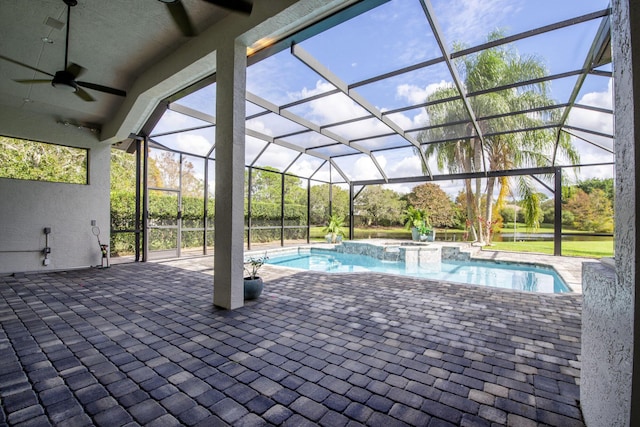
{"points": [[496, 67]]}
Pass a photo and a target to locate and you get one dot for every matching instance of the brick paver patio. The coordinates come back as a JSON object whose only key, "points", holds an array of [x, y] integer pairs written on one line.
{"points": [[141, 344]]}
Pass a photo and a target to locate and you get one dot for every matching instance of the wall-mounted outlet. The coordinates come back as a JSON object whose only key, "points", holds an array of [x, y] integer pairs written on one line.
{"points": [[47, 230], [46, 261], [93, 222]]}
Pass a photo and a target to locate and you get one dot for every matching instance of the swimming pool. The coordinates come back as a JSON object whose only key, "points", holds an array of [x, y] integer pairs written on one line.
{"points": [[484, 273]]}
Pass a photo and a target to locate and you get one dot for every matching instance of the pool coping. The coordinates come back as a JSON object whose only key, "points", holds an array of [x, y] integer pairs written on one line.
{"points": [[568, 268]]}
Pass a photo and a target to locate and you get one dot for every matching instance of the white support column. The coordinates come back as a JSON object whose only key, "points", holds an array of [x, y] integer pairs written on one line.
{"points": [[610, 371], [229, 196], [626, 58]]}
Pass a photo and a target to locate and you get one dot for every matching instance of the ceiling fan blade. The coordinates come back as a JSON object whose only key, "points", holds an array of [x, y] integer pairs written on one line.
{"points": [[76, 70], [181, 18], [243, 6], [84, 95], [32, 81], [101, 88], [25, 65]]}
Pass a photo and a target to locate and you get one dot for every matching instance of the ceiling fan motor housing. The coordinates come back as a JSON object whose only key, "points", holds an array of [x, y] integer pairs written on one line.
{"points": [[64, 80]]}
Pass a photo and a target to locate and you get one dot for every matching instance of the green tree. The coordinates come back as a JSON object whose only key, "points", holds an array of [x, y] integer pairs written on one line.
{"points": [[509, 214], [606, 185], [320, 203], [490, 68], [123, 171], [266, 186], [38, 161], [174, 175], [460, 210], [592, 212], [435, 202], [379, 206]]}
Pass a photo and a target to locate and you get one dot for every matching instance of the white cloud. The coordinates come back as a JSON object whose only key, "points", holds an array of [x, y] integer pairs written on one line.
{"points": [[414, 50], [364, 169], [595, 121], [407, 122], [193, 143], [406, 166], [260, 126], [172, 120], [321, 87], [253, 146], [335, 108], [421, 119], [305, 167], [277, 156], [466, 20], [416, 95], [401, 120], [599, 99]]}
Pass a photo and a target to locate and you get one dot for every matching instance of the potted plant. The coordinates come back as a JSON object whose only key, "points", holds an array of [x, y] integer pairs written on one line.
{"points": [[253, 284], [413, 218], [426, 232], [334, 229]]}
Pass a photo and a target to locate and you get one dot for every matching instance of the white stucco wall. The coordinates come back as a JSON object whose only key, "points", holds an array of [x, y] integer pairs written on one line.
{"points": [[610, 308], [26, 207], [607, 341]]}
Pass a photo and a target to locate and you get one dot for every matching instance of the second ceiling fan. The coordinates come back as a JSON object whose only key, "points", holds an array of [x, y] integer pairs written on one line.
{"points": [[182, 20]]}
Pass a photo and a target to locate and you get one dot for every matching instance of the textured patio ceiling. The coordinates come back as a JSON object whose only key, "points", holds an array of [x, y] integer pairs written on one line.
{"points": [[344, 101]]}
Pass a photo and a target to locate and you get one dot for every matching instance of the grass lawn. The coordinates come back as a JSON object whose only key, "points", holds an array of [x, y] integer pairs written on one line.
{"points": [[543, 229], [583, 248]]}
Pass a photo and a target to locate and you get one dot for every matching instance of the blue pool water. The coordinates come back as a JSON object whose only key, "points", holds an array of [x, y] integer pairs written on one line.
{"points": [[501, 275]]}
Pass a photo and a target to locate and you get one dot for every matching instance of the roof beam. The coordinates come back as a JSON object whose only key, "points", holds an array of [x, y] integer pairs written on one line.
{"points": [[173, 132], [325, 73], [397, 72], [311, 126], [318, 170], [187, 111], [534, 32], [459, 176], [271, 140], [437, 32], [594, 59], [342, 174], [291, 164], [285, 144], [592, 132], [528, 82], [602, 147], [592, 108]]}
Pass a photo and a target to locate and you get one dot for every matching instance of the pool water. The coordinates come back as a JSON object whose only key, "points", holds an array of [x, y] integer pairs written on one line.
{"points": [[484, 273]]}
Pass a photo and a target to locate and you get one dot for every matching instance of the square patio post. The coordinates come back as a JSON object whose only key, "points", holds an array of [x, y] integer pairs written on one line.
{"points": [[229, 187], [610, 374]]}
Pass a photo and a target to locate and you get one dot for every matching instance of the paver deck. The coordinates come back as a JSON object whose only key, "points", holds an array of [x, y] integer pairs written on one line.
{"points": [[142, 344]]}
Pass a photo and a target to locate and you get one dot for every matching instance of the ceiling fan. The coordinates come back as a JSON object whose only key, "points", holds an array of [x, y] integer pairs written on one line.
{"points": [[66, 79], [181, 18]]}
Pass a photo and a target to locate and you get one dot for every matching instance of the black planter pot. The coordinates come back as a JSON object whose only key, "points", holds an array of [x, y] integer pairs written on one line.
{"points": [[252, 287]]}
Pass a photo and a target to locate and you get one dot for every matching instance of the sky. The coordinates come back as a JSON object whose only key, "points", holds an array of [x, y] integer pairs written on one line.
{"points": [[395, 35]]}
